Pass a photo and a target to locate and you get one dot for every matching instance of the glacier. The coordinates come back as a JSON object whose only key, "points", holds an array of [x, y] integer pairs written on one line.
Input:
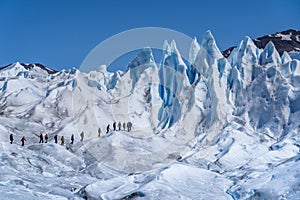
{"points": [[209, 128]]}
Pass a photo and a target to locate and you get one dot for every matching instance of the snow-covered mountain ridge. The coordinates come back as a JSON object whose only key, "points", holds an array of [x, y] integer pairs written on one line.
{"points": [[230, 122], [288, 40]]}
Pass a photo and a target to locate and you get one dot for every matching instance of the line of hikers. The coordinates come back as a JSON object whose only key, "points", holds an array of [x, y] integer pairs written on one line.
{"points": [[129, 126], [62, 139]]}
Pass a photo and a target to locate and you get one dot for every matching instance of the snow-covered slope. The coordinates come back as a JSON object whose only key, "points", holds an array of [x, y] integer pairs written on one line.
{"points": [[215, 128]]}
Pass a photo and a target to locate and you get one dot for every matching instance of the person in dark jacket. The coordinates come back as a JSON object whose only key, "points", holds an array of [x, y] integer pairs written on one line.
{"points": [[81, 136], [23, 140], [114, 126], [99, 132], [119, 126], [55, 139], [11, 138], [124, 126], [107, 129], [72, 139], [41, 138], [129, 126]]}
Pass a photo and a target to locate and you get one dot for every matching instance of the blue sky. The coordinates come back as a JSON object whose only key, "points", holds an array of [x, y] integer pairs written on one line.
{"points": [[61, 33]]}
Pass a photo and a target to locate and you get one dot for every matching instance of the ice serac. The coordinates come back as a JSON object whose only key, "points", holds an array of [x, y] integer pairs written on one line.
{"points": [[294, 96], [103, 77], [285, 58], [245, 57], [244, 60], [135, 96], [125, 82], [191, 71], [134, 70], [207, 55], [173, 87], [115, 78], [141, 62], [214, 70], [269, 55], [195, 48], [263, 96], [235, 90]]}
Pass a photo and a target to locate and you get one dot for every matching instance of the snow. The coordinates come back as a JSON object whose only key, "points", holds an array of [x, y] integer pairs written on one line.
{"points": [[213, 128], [284, 37], [176, 181]]}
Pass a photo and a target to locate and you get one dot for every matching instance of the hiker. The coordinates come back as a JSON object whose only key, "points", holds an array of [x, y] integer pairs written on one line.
{"points": [[119, 126], [11, 138], [23, 140], [46, 138], [72, 139], [129, 125], [114, 126], [107, 129], [55, 139], [99, 132], [62, 140], [41, 138], [81, 135], [124, 126]]}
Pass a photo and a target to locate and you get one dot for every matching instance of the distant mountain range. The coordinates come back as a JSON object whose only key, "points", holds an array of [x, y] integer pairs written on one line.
{"points": [[288, 41]]}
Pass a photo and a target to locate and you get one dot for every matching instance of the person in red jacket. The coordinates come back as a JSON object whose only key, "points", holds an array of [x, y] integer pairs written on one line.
{"points": [[46, 138], [23, 140]]}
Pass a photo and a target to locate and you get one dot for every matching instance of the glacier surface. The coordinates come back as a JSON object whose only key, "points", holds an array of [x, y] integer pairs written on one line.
{"points": [[212, 128]]}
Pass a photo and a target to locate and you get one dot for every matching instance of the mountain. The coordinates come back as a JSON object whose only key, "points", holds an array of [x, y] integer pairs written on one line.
{"points": [[288, 41], [31, 66], [225, 128]]}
